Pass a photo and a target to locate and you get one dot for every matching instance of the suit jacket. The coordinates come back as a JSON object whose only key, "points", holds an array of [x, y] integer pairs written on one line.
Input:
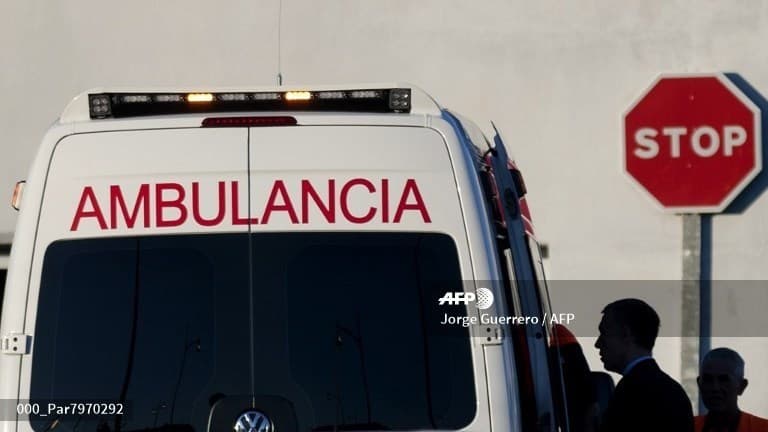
{"points": [[647, 399]]}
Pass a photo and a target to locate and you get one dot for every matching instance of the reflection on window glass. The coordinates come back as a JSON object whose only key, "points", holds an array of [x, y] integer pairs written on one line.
{"points": [[362, 314], [144, 321], [342, 332]]}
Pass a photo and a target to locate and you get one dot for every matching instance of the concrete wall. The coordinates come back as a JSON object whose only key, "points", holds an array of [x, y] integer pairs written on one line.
{"points": [[555, 76]]}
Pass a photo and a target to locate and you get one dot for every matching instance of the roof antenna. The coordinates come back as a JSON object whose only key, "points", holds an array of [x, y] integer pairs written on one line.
{"points": [[279, 46]]}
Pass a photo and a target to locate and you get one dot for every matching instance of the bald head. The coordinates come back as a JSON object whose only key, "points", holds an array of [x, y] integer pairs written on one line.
{"points": [[728, 358], [721, 380]]}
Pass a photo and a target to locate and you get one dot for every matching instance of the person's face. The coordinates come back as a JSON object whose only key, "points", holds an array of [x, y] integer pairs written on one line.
{"points": [[614, 344], [719, 388]]}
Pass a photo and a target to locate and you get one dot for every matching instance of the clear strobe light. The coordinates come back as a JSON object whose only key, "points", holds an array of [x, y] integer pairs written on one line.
{"points": [[134, 98], [101, 105], [169, 98], [330, 95], [229, 97], [266, 96], [400, 99], [364, 94]]}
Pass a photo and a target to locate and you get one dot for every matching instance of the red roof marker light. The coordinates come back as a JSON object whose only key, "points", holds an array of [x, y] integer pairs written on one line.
{"points": [[249, 121]]}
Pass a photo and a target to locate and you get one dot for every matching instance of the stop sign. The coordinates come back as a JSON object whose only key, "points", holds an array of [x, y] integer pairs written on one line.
{"points": [[693, 142]]}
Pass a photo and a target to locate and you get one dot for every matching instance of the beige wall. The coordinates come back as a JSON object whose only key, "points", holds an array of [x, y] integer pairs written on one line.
{"points": [[555, 76]]}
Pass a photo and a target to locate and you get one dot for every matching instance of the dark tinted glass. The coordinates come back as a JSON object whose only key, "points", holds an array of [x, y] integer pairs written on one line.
{"points": [[352, 319], [342, 332], [156, 322]]}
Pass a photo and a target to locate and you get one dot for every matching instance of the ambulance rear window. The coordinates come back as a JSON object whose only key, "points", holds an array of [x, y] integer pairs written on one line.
{"points": [[324, 331]]}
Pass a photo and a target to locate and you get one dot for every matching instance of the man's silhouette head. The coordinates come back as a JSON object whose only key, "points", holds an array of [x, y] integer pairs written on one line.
{"points": [[628, 330], [721, 380]]}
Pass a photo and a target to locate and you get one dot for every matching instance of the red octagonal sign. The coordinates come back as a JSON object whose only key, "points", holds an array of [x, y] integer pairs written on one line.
{"points": [[693, 142]]}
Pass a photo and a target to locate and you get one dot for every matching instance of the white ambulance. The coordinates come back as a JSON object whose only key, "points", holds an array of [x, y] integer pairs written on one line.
{"points": [[280, 259]]}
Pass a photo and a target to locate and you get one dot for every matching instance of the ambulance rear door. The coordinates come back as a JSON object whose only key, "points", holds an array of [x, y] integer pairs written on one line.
{"points": [[137, 299], [356, 233], [527, 298]]}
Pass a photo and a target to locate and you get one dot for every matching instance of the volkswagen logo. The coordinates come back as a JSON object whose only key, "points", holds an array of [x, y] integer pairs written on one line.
{"points": [[253, 421]]}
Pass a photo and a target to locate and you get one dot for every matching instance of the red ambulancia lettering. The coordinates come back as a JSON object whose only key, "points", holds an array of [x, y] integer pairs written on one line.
{"points": [[161, 204], [116, 199], [384, 200], [279, 189], [345, 201], [328, 210], [411, 188], [85, 197], [236, 218], [196, 205], [166, 205]]}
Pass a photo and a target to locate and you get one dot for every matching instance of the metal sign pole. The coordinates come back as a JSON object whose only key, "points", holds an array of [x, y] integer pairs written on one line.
{"points": [[691, 297]]}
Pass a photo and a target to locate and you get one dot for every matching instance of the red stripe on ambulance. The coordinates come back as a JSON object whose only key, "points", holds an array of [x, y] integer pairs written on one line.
{"points": [[165, 205]]}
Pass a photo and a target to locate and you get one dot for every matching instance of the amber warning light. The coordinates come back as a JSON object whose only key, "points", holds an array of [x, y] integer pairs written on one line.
{"points": [[199, 97], [298, 95], [17, 192]]}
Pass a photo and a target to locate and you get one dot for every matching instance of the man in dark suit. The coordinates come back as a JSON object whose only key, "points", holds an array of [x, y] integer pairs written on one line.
{"points": [[646, 398]]}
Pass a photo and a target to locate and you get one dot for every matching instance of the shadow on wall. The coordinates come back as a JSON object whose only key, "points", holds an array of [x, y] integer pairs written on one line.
{"points": [[760, 183]]}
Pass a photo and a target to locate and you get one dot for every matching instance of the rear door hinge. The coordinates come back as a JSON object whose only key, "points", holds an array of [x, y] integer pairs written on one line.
{"points": [[492, 334], [16, 343]]}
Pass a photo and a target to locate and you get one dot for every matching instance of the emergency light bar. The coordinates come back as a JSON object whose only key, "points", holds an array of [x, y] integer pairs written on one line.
{"points": [[117, 105]]}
